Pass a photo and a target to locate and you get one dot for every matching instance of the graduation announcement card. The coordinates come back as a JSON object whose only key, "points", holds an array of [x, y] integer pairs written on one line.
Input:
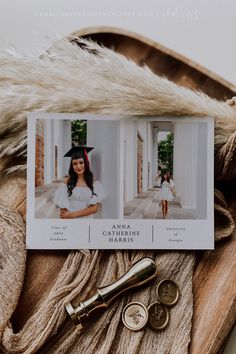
{"points": [[119, 182]]}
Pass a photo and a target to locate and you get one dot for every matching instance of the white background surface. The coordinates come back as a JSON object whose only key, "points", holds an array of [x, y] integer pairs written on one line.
{"points": [[201, 30]]}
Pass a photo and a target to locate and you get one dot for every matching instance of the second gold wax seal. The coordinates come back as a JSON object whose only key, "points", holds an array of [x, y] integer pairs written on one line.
{"points": [[168, 292]]}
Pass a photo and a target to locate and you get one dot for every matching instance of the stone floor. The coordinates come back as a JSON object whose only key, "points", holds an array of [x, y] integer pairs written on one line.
{"points": [[145, 206], [44, 206], [148, 206]]}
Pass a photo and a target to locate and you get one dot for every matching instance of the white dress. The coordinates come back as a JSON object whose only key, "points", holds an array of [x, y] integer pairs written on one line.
{"points": [[165, 191], [81, 197]]}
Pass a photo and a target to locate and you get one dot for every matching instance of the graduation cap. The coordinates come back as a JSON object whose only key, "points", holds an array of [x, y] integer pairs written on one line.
{"points": [[78, 152]]}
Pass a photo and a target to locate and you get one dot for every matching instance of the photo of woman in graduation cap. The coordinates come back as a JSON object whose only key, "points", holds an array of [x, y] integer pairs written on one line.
{"points": [[79, 196]]}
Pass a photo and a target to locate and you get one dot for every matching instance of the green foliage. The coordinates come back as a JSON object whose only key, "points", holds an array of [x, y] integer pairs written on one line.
{"points": [[79, 132], [165, 153]]}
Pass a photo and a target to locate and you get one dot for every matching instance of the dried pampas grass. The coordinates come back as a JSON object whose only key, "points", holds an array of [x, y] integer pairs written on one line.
{"points": [[90, 78]]}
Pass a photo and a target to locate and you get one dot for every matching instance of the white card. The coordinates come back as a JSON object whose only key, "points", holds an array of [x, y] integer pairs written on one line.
{"points": [[152, 184]]}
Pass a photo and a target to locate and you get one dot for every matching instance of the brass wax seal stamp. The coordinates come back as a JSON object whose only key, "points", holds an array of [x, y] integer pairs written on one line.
{"points": [[168, 292], [139, 274], [158, 316], [135, 316]]}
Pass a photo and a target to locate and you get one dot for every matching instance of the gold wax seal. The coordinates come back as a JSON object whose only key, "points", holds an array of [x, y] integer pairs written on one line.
{"points": [[168, 292], [135, 316], [158, 316]]}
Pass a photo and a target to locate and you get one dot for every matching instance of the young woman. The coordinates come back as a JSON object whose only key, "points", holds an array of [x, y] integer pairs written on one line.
{"points": [[79, 196], [167, 192]]}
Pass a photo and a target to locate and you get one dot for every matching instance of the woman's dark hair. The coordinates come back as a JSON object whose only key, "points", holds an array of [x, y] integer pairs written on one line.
{"points": [[72, 180], [162, 176]]}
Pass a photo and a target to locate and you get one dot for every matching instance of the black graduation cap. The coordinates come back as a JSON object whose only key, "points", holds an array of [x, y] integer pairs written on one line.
{"points": [[78, 150]]}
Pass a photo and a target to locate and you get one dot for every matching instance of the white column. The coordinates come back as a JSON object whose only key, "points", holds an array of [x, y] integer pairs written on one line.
{"points": [[201, 185], [104, 136], [154, 156], [185, 166], [67, 144], [150, 157], [129, 132], [48, 151]]}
